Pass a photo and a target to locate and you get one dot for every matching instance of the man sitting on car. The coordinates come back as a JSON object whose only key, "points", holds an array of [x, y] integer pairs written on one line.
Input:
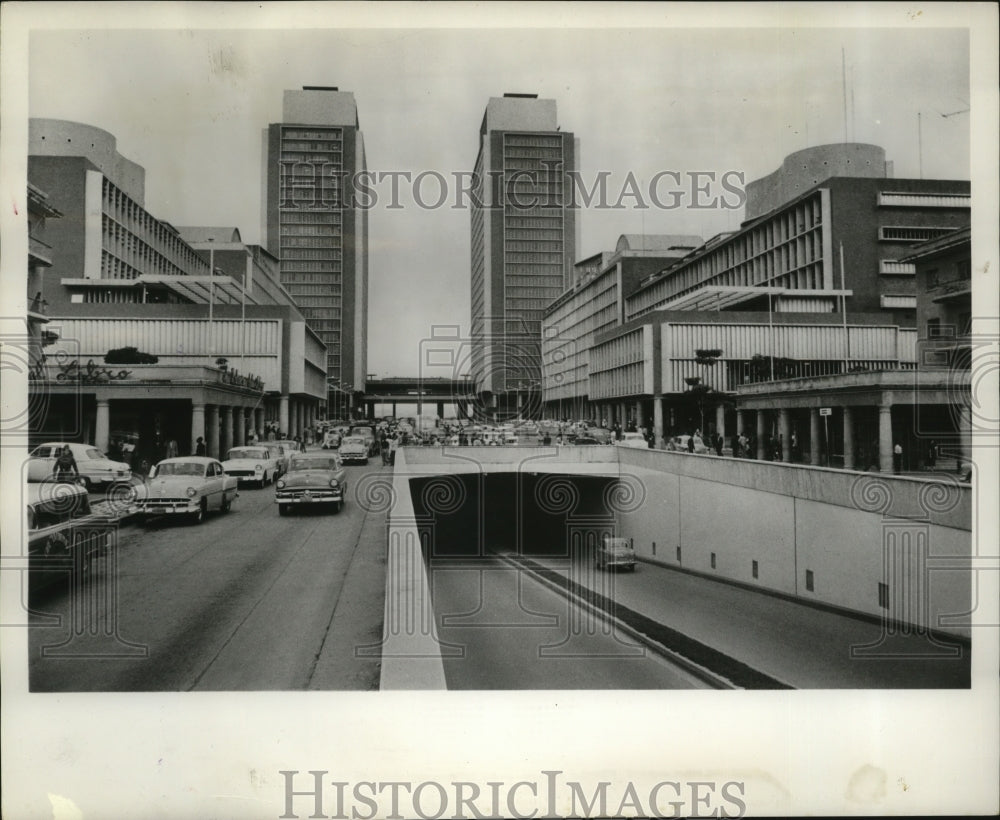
{"points": [[65, 466]]}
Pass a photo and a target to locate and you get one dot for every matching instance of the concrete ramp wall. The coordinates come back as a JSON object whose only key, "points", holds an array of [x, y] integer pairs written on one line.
{"points": [[890, 547], [885, 546]]}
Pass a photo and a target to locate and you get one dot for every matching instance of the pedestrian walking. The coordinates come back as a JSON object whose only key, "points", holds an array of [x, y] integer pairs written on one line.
{"points": [[932, 453], [897, 457], [172, 450], [718, 445], [393, 447], [199, 447]]}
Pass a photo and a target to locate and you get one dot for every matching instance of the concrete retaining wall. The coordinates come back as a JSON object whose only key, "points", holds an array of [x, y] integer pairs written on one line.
{"points": [[883, 546], [851, 532]]}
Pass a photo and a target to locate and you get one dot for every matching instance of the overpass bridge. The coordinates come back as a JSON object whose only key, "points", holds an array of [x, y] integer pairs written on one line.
{"points": [[433, 391]]}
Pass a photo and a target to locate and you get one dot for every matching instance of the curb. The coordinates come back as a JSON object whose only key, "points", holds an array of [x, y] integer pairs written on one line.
{"points": [[738, 676]]}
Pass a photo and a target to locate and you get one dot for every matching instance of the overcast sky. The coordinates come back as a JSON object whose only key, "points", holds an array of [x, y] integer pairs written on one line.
{"points": [[190, 107]]}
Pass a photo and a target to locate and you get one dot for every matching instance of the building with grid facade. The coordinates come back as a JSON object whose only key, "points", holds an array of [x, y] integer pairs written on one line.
{"points": [[232, 351], [594, 304], [524, 243], [837, 237], [312, 160]]}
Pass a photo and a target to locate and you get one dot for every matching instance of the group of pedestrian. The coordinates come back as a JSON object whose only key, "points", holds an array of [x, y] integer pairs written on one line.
{"points": [[388, 445]]}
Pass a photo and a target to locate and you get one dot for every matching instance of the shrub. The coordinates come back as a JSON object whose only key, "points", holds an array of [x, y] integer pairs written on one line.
{"points": [[129, 355]]}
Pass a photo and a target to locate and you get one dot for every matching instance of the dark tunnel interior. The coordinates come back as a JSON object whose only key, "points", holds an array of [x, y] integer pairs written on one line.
{"points": [[531, 514]]}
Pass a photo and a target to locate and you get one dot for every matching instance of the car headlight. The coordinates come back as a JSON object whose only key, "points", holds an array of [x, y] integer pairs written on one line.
{"points": [[191, 492], [257, 468], [333, 483], [281, 484]]}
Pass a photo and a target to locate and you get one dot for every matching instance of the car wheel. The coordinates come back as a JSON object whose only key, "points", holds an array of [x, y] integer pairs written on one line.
{"points": [[283, 509], [199, 516]]}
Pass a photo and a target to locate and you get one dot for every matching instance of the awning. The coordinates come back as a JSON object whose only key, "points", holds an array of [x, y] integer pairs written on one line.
{"points": [[199, 289], [720, 297], [223, 290]]}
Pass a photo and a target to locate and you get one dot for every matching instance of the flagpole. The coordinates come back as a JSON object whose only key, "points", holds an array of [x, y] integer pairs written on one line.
{"points": [[211, 301], [843, 310], [243, 320]]}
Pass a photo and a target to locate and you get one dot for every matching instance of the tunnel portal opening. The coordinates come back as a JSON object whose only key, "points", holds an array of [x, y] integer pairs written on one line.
{"points": [[482, 514]]}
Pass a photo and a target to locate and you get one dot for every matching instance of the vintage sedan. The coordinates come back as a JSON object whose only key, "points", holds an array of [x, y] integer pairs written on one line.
{"points": [[367, 432], [615, 552], [312, 478], [633, 440], [279, 453], [354, 448], [253, 464], [189, 486], [63, 535], [95, 468]]}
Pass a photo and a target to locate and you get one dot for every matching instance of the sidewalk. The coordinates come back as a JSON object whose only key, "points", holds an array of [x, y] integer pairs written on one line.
{"points": [[759, 640]]}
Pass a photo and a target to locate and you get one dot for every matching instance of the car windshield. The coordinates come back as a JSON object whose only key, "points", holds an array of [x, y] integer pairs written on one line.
{"points": [[312, 464], [249, 452], [180, 468], [92, 452]]}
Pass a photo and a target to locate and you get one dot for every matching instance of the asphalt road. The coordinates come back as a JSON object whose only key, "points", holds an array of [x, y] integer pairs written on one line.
{"points": [[502, 629], [244, 601]]}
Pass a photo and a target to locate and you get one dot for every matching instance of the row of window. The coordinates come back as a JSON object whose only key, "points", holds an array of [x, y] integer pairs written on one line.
{"points": [[514, 257], [909, 233], [534, 235], [142, 240], [297, 217], [319, 229], [310, 242], [331, 255]]}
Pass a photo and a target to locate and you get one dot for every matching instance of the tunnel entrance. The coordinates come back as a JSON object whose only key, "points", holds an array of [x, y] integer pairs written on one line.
{"points": [[481, 514]]}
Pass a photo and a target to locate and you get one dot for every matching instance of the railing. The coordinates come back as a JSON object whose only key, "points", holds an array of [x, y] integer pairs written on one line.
{"points": [[40, 251], [38, 305]]}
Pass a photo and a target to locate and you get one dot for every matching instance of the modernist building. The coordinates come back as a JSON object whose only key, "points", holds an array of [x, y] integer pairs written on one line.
{"points": [[596, 303], [39, 261], [838, 235], [232, 351], [812, 295], [312, 224], [524, 243]]}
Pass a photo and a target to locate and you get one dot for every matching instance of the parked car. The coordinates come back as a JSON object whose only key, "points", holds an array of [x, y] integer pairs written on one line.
{"points": [[615, 552], [635, 440], [62, 536], [354, 448], [317, 477], [96, 469], [252, 464], [278, 453], [190, 486]]}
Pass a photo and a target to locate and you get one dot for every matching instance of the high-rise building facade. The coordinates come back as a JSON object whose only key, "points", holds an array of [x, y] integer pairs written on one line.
{"points": [[312, 160], [524, 244]]}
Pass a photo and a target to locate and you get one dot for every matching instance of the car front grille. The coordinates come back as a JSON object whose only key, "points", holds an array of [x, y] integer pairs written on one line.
{"points": [[165, 502], [318, 494]]}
